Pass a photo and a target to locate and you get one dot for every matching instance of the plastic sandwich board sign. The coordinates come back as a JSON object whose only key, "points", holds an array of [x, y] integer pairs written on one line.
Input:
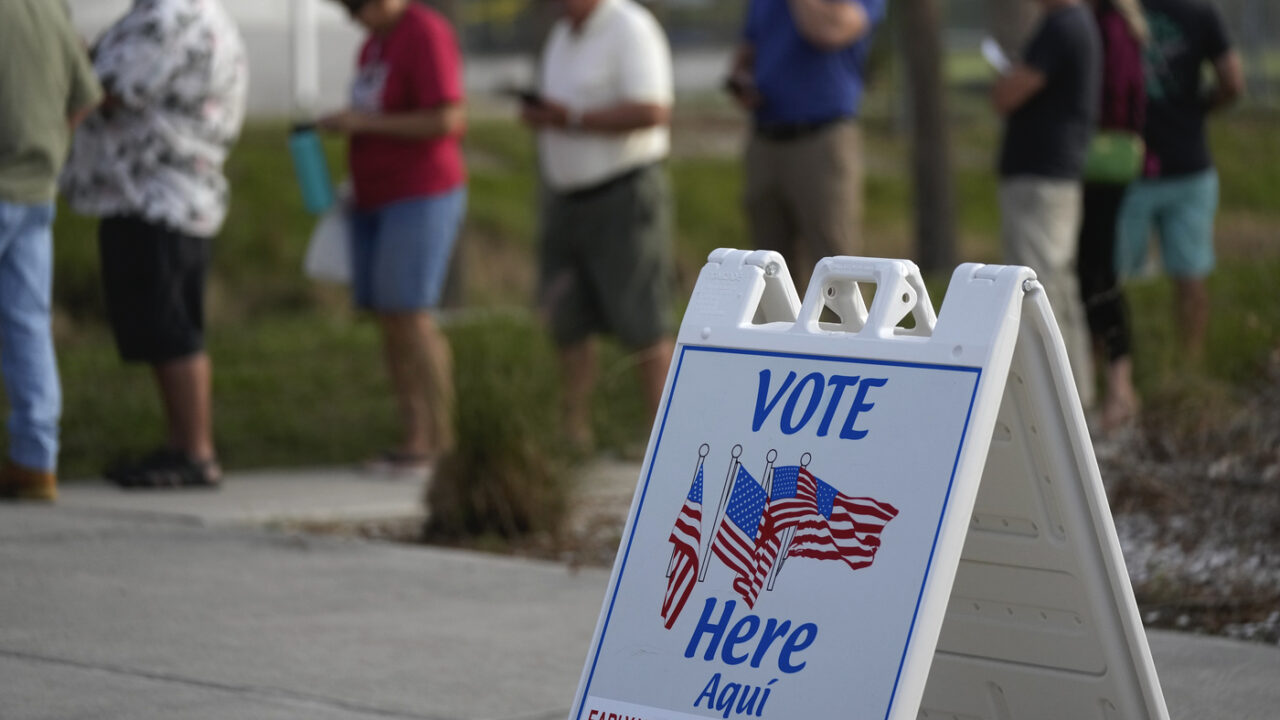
{"points": [[890, 516]]}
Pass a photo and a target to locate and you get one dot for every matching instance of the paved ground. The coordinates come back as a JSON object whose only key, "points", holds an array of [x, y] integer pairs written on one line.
{"points": [[190, 605]]}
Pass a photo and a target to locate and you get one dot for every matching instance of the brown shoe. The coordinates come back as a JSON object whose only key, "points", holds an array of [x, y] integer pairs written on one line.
{"points": [[21, 483]]}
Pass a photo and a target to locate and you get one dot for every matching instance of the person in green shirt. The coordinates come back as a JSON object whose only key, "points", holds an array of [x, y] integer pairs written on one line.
{"points": [[47, 86]]}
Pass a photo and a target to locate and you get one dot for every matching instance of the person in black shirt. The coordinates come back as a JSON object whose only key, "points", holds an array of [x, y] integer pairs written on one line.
{"points": [[1050, 101], [1178, 194]]}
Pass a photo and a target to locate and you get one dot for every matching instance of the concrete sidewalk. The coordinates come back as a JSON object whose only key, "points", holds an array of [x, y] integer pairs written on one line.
{"points": [[189, 605]]}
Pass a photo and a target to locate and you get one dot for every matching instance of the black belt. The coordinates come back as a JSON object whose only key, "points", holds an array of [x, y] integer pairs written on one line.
{"points": [[604, 186], [782, 132]]}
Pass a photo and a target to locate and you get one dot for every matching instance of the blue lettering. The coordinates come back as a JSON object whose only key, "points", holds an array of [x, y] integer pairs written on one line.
{"points": [[709, 692], [705, 626], [795, 644], [727, 695], [772, 631], [747, 701], [743, 630], [860, 404], [817, 386], [763, 700], [763, 409], [732, 697], [746, 631], [839, 382], [788, 411]]}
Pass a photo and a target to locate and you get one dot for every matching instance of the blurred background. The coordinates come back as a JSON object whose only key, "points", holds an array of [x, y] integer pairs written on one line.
{"points": [[298, 379], [500, 37], [283, 342]]}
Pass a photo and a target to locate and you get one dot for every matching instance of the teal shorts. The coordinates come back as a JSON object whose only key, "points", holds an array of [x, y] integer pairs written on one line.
{"points": [[1181, 211]]}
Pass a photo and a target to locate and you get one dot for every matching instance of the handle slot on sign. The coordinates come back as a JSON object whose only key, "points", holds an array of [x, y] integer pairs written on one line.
{"points": [[897, 291], [752, 286]]}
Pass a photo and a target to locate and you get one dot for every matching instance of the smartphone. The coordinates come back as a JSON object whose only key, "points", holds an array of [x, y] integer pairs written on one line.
{"points": [[524, 95], [994, 55]]}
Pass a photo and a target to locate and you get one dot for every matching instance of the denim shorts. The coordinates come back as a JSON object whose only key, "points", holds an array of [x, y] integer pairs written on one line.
{"points": [[1181, 211], [400, 252]]}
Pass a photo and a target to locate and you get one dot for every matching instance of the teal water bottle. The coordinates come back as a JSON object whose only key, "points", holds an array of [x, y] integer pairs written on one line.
{"points": [[312, 169]]}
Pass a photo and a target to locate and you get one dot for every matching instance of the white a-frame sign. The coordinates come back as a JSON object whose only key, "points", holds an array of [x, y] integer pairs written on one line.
{"points": [[892, 516]]}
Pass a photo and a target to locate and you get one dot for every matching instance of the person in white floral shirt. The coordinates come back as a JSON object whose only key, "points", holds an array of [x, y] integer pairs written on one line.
{"points": [[149, 163]]}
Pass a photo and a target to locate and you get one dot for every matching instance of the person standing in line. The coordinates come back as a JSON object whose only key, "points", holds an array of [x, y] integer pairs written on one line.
{"points": [[1123, 108], [404, 125], [800, 70], [149, 163], [1178, 193], [1049, 101], [605, 240], [47, 86]]}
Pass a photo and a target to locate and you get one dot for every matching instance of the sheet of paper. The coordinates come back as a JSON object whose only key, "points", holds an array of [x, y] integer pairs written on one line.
{"points": [[994, 55]]}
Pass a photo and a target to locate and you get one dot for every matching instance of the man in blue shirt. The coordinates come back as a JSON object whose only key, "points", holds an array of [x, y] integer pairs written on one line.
{"points": [[800, 71]]}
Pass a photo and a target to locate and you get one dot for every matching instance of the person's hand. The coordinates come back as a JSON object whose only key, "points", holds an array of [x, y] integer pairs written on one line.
{"points": [[742, 87], [344, 122], [546, 114]]}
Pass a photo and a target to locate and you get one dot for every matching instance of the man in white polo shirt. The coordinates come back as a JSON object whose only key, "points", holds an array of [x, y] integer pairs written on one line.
{"points": [[602, 113]]}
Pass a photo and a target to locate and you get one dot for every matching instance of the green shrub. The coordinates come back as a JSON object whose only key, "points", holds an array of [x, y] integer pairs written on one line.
{"points": [[507, 475]]}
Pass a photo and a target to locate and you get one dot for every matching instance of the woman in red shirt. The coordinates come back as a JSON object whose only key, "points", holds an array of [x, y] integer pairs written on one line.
{"points": [[404, 126]]}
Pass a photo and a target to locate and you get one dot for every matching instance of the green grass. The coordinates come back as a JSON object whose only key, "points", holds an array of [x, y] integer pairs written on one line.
{"points": [[503, 182], [708, 193], [1245, 144], [299, 378], [1244, 326], [289, 389]]}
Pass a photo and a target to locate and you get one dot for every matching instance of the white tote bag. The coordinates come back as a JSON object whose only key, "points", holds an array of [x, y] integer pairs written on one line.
{"points": [[328, 255]]}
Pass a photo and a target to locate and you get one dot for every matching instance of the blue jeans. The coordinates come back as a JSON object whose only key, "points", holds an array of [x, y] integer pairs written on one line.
{"points": [[26, 337]]}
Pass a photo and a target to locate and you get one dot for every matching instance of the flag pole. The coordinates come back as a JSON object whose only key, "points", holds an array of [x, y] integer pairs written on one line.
{"points": [[770, 459], [788, 535], [729, 479], [767, 477], [702, 456]]}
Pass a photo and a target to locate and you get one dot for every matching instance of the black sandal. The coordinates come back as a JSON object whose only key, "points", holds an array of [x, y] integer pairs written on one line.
{"points": [[167, 469]]}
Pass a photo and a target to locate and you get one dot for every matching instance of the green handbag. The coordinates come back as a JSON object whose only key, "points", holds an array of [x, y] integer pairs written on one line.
{"points": [[1114, 156]]}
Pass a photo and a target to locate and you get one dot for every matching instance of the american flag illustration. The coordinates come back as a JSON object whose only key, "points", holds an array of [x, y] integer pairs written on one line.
{"points": [[806, 517], [686, 539], [735, 539], [846, 528]]}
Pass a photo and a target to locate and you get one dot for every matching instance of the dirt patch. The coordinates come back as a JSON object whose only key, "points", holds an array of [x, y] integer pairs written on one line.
{"points": [[1196, 497]]}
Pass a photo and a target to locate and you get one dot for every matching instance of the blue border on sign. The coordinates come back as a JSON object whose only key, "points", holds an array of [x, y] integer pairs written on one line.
{"points": [[946, 502]]}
